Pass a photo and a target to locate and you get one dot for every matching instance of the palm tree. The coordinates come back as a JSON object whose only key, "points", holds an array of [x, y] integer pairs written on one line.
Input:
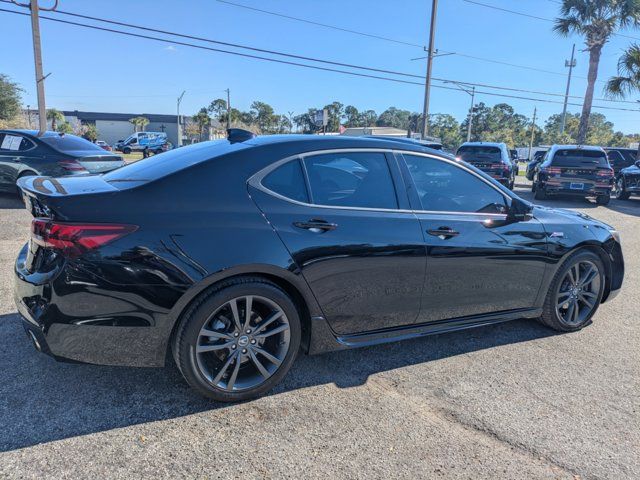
{"points": [[139, 122], [54, 116], [596, 20], [628, 78], [203, 120]]}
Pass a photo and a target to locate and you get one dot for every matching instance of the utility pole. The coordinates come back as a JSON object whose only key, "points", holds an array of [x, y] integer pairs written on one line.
{"points": [[37, 57], [228, 109], [533, 131], [473, 96], [179, 126], [570, 64], [427, 83]]}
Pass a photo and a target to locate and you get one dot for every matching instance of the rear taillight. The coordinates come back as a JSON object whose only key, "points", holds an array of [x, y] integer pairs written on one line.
{"points": [[552, 170], [500, 166], [74, 239], [605, 173], [72, 166]]}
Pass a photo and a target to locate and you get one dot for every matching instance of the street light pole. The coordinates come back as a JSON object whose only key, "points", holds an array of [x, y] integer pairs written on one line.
{"points": [[178, 119], [473, 96], [427, 83], [570, 64]]}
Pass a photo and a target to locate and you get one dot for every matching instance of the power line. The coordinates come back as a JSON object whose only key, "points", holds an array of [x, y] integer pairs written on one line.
{"points": [[333, 27], [325, 25], [313, 59], [286, 62]]}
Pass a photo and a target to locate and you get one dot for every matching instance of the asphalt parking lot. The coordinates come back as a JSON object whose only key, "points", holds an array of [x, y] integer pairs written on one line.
{"points": [[508, 401]]}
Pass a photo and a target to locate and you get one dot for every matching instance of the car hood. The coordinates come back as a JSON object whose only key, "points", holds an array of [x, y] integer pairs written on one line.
{"points": [[632, 170], [559, 216]]}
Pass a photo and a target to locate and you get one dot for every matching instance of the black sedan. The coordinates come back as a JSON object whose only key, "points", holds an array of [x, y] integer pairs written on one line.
{"points": [[229, 257], [628, 182], [24, 153]]}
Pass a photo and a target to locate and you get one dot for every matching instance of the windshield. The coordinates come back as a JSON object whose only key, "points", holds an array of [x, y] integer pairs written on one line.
{"points": [[480, 154], [159, 166], [577, 157]]}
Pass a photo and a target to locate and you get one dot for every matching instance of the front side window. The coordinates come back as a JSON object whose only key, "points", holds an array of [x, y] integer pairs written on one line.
{"points": [[351, 179], [445, 187]]}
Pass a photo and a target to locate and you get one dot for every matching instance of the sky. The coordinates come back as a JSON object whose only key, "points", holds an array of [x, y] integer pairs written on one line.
{"points": [[101, 71]]}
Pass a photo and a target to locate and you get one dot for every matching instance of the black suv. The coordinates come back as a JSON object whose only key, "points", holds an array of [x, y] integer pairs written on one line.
{"points": [[492, 158], [620, 158], [575, 170]]}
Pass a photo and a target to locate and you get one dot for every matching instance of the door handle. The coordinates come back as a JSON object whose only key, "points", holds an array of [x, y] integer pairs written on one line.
{"points": [[316, 225], [443, 232]]}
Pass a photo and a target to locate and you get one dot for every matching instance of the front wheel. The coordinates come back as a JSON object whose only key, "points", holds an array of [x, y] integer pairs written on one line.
{"points": [[238, 341], [540, 193], [621, 192], [575, 292], [126, 150]]}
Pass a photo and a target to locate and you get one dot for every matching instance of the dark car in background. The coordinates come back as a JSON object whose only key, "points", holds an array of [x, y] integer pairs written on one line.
{"points": [[628, 181], [574, 170], [533, 164], [229, 257], [24, 153], [620, 158], [492, 158]]}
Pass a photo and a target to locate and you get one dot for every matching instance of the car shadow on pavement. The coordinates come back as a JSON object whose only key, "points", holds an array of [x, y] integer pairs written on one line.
{"points": [[626, 207], [10, 201], [42, 400]]}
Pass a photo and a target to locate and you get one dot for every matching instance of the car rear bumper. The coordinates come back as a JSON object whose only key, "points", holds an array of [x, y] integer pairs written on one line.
{"points": [[587, 191], [71, 318]]}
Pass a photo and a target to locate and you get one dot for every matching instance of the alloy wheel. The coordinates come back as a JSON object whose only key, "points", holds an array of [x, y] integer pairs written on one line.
{"points": [[243, 343], [578, 293]]}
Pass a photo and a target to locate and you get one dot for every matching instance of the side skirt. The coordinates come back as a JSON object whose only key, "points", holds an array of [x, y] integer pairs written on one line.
{"points": [[324, 340]]}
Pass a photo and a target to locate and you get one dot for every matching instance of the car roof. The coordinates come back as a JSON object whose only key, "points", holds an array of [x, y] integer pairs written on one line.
{"points": [[589, 148], [484, 144], [325, 142], [29, 133]]}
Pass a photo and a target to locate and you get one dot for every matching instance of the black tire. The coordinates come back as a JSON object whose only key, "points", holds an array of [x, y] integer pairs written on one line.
{"points": [[603, 199], [552, 315], [201, 314], [540, 193], [126, 150], [157, 152], [621, 192]]}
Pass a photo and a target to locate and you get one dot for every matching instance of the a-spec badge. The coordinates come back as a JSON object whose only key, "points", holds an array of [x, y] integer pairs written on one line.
{"points": [[557, 235]]}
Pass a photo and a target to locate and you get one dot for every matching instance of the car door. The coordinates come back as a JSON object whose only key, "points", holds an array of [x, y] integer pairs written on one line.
{"points": [[15, 153], [478, 261], [353, 238]]}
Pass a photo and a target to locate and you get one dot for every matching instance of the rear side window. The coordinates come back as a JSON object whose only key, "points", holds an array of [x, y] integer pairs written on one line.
{"points": [[479, 154], [351, 179], [68, 143], [288, 180], [579, 158], [14, 143]]}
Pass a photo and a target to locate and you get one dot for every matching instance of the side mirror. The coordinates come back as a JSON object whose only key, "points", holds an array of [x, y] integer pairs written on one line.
{"points": [[520, 211]]}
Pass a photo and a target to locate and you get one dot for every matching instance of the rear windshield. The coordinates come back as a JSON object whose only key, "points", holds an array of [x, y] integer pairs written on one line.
{"points": [[69, 143], [572, 158], [480, 154], [159, 166]]}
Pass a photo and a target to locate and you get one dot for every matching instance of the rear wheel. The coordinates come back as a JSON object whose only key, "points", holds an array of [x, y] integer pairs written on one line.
{"points": [[603, 199], [621, 192], [575, 292], [126, 150], [238, 341]]}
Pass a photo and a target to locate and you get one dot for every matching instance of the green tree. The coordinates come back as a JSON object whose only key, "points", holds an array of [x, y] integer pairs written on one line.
{"points": [[368, 118], [10, 100], [499, 123], [139, 123], [394, 117], [596, 20], [202, 120], [335, 112], [305, 121], [443, 126], [64, 127], [263, 116], [54, 116], [352, 116], [89, 131]]}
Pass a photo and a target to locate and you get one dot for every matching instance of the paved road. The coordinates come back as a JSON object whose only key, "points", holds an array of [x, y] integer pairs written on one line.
{"points": [[507, 401]]}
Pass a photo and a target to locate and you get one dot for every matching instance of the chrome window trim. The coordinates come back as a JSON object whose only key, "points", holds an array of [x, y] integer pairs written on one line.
{"points": [[256, 182]]}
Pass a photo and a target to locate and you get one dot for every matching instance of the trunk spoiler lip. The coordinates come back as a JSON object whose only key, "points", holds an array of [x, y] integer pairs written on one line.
{"points": [[52, 187]]}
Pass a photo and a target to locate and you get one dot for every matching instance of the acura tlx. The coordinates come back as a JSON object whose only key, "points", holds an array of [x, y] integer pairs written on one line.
{"points": [[230, 257]]}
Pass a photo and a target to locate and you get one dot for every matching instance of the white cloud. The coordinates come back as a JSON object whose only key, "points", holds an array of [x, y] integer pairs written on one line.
{"points": [[171, 48]]}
